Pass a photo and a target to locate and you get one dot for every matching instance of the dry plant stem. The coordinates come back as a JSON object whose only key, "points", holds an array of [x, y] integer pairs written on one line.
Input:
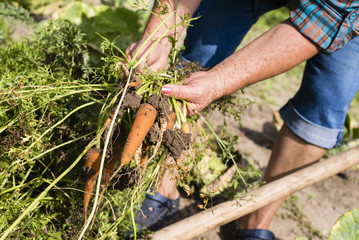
{"points": [[87, 223]]}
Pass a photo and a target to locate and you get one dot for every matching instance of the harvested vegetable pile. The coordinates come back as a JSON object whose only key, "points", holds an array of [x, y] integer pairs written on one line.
{"points": [[77, 137]]}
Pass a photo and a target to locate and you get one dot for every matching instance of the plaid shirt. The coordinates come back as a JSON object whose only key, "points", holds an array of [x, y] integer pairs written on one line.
{"points": [[329, 23]]}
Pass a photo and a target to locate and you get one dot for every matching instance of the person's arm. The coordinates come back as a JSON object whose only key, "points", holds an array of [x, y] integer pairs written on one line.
{"points": [[278, 50], [158, 57]]}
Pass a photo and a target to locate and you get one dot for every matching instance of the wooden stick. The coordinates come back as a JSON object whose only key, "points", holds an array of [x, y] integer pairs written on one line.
{"points": [[228, 211]]}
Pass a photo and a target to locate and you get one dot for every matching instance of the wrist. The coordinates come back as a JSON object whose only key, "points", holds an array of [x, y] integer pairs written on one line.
{"points": [[216, 75], [164, 41]]}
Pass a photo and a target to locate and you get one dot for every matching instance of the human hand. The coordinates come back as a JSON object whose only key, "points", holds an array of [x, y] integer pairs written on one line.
{"points": [[199, 90], [156, 59]]}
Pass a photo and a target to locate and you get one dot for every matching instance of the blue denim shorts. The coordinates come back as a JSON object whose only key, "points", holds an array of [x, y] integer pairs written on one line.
{"points": [[317, 111]]}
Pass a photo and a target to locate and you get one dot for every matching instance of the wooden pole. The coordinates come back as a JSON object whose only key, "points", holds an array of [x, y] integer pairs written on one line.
{"points": [[228, 211]]}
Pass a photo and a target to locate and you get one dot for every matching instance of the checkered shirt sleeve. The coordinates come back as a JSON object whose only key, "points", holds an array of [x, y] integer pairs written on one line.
{"points": [[330, 24]]}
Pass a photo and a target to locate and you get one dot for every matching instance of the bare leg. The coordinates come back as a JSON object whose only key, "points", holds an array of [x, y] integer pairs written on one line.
{"points": [[289, 154], [168, 182], [168, 185]]}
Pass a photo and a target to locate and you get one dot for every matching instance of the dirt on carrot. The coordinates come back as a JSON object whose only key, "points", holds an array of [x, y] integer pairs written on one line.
{"points": [[92, 161]]}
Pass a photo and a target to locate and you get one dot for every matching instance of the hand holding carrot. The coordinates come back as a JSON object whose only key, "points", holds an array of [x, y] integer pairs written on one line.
{"points": [[200, 89], [156, 59]]}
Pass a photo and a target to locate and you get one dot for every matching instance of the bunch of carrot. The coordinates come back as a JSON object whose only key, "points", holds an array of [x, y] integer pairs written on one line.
{"points": [[143, 121]]}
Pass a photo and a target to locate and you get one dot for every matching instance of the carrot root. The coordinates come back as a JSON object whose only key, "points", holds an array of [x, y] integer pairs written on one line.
{"points": [[136, 83], [92, 166], [143, 121], [111, 164], [186, 127], [171, 120]]}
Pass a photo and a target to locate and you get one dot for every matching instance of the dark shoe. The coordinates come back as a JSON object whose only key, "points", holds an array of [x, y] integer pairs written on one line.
{"points": [[155, 210], [230, 231], [255, 234]]}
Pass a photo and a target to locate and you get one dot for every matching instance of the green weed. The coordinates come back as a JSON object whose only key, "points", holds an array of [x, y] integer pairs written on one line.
{"points": [[295, 212]]}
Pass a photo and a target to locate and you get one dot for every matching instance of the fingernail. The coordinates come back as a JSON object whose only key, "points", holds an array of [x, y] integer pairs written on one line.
{"points": [[166, 90]]}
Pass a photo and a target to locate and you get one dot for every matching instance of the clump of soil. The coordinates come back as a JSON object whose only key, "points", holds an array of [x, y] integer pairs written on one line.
{"points": [[126, 178], [132, 100], [176, 141], [186, 68], [160, 102], [154, 133]]}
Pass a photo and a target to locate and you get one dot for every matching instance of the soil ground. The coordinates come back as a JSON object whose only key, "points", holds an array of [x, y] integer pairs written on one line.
{"points": [[313, 209]]}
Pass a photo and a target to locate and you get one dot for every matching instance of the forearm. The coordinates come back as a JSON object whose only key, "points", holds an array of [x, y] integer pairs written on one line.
{"points": [[178, 8], [276, 51]]}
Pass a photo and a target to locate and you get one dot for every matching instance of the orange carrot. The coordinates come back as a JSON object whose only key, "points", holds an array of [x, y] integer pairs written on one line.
{"points": [[108, 170], [136, 82], [92, 162], [171, 120], [110, 166], [91, 159], [186, 127], [144, 120], [92, 167]]}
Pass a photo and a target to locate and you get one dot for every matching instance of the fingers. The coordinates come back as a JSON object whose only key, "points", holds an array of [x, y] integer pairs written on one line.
{"points": [[178, 91], [199, 90], [189, 92], [181, 92], [155, 60]]}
